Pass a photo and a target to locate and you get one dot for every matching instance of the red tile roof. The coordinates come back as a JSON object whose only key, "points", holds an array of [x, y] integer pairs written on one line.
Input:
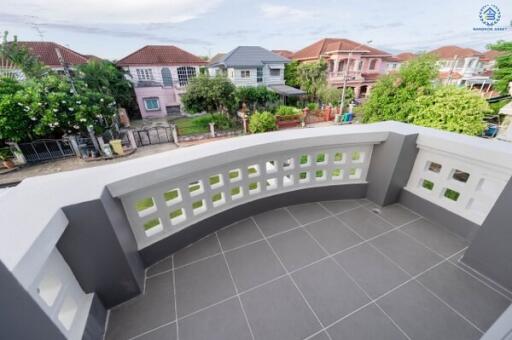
{"points": [[406, 56], [449, 52], [492, 55], [45, 51], [283, 53], [445, 75], [319, 48], [161, 55]]}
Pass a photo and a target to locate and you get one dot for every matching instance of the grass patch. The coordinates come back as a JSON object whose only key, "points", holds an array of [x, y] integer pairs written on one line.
{"points": [[451, 194], [214, 180], [176, 213], [235, 191], [427, 184], [170, 195], [144, 204], [151, 224]]}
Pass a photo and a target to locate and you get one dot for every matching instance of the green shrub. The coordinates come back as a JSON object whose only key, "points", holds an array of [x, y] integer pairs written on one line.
{"points": [[312, 106], [284, 110], [262, 122]]}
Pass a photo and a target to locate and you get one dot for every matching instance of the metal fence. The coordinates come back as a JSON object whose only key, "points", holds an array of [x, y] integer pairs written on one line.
{"points": [[46, 149], [153, 135]]}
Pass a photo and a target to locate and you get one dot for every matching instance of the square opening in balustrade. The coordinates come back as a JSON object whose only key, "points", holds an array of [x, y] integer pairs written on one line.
{"points": [[321, 158], [434, 167], [254, 188], [253, 170], [216, 181], [320, 175], [177, 216], [304, 160], [460, 175], [49, 288], [153, 227], [337, 174], [199, 207], [271, 183], [235, 175], [289, 164], [172, 197], [287, 180], [218, 199], [426, 184], [145, 206], [271, 166], [354, 173], [304, 177], [339, 158], [195, 188], [67, 312], [236, 193], [357, 157], [451, 194]]}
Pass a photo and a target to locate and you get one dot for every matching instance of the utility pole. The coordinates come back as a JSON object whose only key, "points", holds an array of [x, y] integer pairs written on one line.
{"points": [[65, 66], [449, 79], [345, 76]]}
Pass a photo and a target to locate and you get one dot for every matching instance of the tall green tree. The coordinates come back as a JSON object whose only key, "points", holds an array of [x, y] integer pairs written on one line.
{"points": [[105, 77], [210, 94], [503, 71], [256, 97], [393, 97], [451, 108], [312, 77], [19, 55], [291, 74]]}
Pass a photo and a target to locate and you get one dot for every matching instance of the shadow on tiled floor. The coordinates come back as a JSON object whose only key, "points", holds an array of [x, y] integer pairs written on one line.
{"points": [[319, 271]]}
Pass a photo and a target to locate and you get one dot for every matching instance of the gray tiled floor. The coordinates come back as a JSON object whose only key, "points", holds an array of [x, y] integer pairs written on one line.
{"points": [[322, 271]]}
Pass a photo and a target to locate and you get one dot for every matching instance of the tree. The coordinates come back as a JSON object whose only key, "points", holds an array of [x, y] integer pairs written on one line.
{"points": [[451, 108], [15, 125], [104, 77], [21, 58], [503, 71], [290, 74], [255, 97], [210, 94], [312, 77], [393, 97]]}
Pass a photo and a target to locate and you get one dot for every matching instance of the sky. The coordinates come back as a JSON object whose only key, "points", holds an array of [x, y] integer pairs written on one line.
{"points": [[115, 28]]}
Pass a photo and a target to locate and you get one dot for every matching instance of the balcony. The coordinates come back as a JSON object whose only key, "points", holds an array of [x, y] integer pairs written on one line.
{"points": [[297, 234], [351, 76]]}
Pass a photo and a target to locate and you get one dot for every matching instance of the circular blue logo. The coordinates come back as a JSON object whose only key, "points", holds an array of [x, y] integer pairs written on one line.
{"points": [[490, 15]]}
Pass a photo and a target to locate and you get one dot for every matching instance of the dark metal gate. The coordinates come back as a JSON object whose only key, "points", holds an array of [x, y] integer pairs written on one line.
{"points": [[46, 149], [153, 135]]}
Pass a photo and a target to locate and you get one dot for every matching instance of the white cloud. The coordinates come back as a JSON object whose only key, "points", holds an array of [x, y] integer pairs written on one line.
{"points": [[112, 11], [283, 12]]}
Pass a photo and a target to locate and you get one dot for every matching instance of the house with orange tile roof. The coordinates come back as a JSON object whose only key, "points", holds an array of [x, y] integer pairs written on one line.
{"points": [[359, 63], [160, 74], [462, 66], [283, 53]]}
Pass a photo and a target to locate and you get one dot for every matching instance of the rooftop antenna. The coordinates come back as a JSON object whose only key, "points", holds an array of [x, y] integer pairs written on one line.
{"points": [[35, 26]]}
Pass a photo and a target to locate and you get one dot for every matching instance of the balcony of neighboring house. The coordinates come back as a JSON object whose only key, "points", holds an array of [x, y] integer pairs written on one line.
{"points": [[145, 77], [377, 231]]}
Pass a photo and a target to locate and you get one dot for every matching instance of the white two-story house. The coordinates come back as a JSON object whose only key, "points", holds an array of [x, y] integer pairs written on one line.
{"points": [[160, 75], [253, 66]]}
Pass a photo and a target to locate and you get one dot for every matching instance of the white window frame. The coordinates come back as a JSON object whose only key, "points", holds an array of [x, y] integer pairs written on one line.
{"points": [[278, 70], [151, 98], [245, 74], [144, 74]]}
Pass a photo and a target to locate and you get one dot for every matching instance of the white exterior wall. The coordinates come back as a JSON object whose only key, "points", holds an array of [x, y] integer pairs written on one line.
{"points": [[273, 80], [235, 75], [157, 72]]}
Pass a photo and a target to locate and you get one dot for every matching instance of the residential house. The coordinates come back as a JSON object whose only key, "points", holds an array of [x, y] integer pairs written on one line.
{"points": [[359, 63], [461, 66], [253, 66], [51, 54], [393, 63], [160, 75], [489, 61], [283, 53]]}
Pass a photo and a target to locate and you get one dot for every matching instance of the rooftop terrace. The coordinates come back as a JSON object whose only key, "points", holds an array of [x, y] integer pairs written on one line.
{"points": [[379, 231]]}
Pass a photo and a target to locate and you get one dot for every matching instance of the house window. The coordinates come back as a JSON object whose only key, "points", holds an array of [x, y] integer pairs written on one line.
{"points": [[360, 65], [259, 74], [166, 76], [185, 73], [245, 74], [144, 73], [373, 63], [275, 72], [152, 104]]}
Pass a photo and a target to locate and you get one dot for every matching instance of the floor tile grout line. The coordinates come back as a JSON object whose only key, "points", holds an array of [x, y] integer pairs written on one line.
{"points": [[236, 288], [291, 277], [151, 330], [444, 259], [357, 284], [378, 298], [175, 298], [439, 254]]}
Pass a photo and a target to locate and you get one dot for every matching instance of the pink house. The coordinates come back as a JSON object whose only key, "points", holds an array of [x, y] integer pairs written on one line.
{"points": [[361, 64], [160, 75]]}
